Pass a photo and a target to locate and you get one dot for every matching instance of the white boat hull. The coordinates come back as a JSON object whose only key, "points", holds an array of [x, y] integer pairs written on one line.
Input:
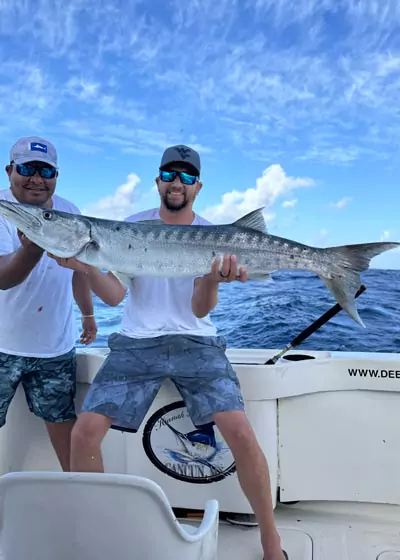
{"points": [[331, 438]]}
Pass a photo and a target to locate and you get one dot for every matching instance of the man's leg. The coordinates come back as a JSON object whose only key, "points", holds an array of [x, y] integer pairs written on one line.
{"points": [[253, 474], [50, 388], [11, 368], [211, 391], [87, 436], [60, 437], [121, 393]]}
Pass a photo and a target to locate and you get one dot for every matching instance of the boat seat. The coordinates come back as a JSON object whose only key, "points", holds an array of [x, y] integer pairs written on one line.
{"points": [[96, 516]]}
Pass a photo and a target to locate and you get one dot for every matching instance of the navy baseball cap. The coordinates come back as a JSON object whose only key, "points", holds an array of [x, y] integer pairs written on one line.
{"points": [[181, 154]]}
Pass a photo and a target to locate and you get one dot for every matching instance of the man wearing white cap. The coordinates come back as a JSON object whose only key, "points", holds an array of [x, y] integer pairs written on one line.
{"points": [[37, 332]]}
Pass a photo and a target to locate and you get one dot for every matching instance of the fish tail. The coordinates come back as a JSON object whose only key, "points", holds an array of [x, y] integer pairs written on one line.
{"points": [[350, 261]]}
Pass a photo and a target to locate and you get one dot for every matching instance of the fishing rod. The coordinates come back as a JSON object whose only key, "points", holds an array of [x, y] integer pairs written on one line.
{"points": [[317, 324]]}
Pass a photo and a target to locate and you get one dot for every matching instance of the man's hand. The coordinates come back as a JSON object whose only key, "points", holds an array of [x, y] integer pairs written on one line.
{"points": [[205, 294], [228, 272], [28, 244], [89, 331], [16, 267], [71, 263]]}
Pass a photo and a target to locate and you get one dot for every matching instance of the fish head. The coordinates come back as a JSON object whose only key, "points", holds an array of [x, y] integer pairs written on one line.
{"points": [[60, 233]]}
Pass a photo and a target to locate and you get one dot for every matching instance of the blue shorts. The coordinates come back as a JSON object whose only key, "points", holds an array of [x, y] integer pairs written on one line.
{"points": [[49, 385], [134, 370]]}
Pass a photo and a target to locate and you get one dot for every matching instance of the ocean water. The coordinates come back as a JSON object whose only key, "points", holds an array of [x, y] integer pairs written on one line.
{"points": [[270, 315]]}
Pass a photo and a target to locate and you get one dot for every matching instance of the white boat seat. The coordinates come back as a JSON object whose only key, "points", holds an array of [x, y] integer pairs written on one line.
{"points": [[95, 516]]}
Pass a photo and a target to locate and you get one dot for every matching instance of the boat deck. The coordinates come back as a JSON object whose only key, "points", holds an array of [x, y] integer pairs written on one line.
{"points": [[312, 532], [320, 532], [309, 535]]}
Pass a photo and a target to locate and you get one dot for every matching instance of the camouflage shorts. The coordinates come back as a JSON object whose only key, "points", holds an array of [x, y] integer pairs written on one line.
{"points": [[49, 385], [131, 375]]}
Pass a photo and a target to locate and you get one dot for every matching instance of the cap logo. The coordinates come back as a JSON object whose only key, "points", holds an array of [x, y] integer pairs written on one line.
{"points": [[184, 152], [38, 147]]}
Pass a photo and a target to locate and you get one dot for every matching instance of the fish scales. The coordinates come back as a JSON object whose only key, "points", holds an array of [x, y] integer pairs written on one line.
{"points": [[151, 248]]}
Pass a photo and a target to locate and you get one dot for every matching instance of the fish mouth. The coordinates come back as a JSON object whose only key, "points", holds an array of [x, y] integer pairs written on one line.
{"points": [[19, 215]]}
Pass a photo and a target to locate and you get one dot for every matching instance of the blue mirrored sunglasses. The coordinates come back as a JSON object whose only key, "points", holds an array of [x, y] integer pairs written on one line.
{"points": [[29, 170], [186, 178]]}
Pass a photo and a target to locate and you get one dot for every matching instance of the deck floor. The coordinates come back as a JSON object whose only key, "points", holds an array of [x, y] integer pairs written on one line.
{"points": [[238, 542], [318, 535], [315, 535]]}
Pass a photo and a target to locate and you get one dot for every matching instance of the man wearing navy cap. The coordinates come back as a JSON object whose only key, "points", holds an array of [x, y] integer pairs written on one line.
{"points": [[37, 326], [166, 331]]}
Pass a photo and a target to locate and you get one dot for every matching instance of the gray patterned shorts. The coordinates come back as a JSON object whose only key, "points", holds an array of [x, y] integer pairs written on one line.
{"points": [[132, 373], [49, 385]]}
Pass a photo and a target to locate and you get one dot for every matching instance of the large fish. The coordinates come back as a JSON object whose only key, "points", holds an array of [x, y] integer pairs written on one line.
{"points": [[152, 248]]}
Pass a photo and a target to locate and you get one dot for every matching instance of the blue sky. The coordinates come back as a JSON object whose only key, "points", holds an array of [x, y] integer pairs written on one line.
{"points": [[292, 104]]}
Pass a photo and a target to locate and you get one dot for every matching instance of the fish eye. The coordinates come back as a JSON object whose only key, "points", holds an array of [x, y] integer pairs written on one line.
{"points": [[47, 215]]}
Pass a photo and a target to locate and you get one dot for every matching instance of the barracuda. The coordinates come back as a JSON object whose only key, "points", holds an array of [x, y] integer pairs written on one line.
{"points": [[152, 248]]}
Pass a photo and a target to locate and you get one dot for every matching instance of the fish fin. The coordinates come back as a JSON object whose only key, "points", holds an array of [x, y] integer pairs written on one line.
{"points": [[253, 220], [150, 222], [352, 259], [261, 278], [123, 278]]}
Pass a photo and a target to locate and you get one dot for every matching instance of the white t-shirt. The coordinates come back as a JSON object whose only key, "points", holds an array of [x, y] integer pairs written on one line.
{"points": [[160, 306], [37, 316]]}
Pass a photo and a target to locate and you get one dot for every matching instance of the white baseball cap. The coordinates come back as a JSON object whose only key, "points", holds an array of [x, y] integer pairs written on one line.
{"points": [[33, 148]]}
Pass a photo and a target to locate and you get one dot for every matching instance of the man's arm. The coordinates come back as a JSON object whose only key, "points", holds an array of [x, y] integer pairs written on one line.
{"points": [[16, 266], [82, 292], [205, 296], [83, 297], [106, 286], [205, 293]]}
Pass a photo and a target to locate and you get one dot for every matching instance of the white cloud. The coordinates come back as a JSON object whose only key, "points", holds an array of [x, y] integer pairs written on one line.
{"points": [[342, 203], [82, 147], [317, 239], [386, 235], [331, 154], [82, 89], [289, 203], [390, 236], [130, 140], [273, 184], [118, 205], [27, 94]]}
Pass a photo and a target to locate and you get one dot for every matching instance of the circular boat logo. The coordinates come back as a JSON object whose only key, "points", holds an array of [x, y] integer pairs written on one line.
{"points": [[176, 447]]}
